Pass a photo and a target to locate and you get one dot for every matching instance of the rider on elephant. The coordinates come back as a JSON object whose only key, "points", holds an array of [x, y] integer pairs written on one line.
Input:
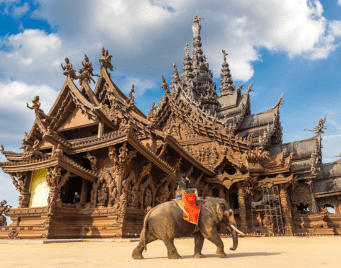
{"points": [[183, 184]]}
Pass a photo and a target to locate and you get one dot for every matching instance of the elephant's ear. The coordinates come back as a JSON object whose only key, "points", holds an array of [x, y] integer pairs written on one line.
{"points": [[220, 212]]}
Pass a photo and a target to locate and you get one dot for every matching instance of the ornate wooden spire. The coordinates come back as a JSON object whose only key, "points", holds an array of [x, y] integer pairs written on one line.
{"points": [[187, 65], [226, 81], [176, 76], [197, 51]]}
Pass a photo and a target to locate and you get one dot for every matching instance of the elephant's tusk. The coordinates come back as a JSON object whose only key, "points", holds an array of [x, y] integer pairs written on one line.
{"points": [[234, 228]]}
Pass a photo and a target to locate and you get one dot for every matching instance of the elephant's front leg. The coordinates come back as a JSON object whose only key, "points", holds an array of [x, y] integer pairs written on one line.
{"points": [[198, 244], [212, 235]]}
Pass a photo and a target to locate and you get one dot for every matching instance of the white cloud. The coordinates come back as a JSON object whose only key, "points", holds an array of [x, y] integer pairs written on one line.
{"points": [[32, 57], [327, 42], [153, 33], [20, 10], [141, 85], [339, 2], [13, 8], [13, 99]]}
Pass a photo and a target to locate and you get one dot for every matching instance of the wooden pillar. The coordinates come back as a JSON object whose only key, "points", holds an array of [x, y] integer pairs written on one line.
{"points": [[288, 223], [84, 191], [221, 193], [100, 129], [242, 208], [314, 208]]}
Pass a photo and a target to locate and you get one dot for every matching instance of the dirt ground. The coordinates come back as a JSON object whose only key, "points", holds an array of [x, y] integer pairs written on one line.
{"points": [[252, 252]]}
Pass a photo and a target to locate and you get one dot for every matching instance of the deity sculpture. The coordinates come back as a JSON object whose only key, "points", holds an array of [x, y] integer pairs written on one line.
{"points": [[87, 67], [3, 210], [93, 161], [39, 112], [148, 198], [102, 195], [58, 152], [105, 60], [69, 71]]}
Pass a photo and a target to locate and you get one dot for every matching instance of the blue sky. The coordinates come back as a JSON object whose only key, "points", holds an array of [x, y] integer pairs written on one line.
{"points": [[284, 46]]}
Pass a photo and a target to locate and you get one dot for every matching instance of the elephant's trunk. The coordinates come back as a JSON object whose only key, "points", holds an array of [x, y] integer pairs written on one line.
{"points": [[235, 231], [235, 240]]}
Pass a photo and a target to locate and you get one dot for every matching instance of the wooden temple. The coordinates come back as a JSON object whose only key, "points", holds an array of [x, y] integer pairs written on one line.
{"points": [[94, 164]]}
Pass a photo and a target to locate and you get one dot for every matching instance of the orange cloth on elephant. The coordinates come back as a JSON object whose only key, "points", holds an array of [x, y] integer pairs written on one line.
{"points": [[190, 209]]}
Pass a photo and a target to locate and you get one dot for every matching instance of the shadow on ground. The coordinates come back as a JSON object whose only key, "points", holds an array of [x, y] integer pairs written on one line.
{"points": [[234, 255]]}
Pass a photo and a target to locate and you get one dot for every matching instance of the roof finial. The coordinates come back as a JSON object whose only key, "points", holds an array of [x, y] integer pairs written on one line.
{"points": [[224, 55], [196, 26], [196, 19], [320, 126]]}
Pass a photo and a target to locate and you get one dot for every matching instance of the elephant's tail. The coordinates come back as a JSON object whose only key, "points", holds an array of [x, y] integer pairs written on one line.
{"points": [[144, 230]]}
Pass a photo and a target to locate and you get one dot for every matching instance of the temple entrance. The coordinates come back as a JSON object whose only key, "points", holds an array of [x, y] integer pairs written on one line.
{"points": [[71, 191]]}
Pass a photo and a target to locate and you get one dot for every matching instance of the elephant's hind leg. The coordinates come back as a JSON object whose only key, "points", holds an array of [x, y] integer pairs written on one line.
{"points": [[198, 244], [137, 252], [171, 249]]}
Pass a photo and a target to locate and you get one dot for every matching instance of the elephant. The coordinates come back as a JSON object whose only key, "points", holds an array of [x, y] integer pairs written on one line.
{"points": [[165, 222]]}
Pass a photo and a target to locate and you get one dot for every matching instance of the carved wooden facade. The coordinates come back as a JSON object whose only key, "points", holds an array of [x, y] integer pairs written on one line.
{"points": [[102, 163]]}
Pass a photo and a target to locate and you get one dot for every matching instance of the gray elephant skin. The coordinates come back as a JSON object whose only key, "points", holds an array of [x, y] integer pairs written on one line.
{"points": [[165, 222]]}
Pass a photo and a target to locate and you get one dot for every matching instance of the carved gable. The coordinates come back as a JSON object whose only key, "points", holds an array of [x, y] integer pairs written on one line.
{"points": [[44, 144], [76, 118]]}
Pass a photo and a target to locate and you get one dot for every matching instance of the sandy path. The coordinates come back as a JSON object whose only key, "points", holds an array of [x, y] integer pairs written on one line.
{"points": [[252, 252]]}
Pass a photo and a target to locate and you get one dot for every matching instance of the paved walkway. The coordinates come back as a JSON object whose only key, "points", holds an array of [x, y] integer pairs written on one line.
{"points": [[252, 252]]}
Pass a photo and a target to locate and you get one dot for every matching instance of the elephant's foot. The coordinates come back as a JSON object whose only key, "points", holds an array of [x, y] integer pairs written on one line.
{"points": [[220, 254], [198, 255], [174, 256], [137, 255]]}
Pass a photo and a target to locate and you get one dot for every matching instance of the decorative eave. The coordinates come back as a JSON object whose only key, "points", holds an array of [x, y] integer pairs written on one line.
{"points": [[227, 180], [87, 144], [279, 179], [209, 128], [63, 161], [150, 155], [113, 138], [175, 145], [12, 156]]}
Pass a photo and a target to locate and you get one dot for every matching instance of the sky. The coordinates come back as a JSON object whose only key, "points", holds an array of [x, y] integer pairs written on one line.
{"points": [[282, 46]]}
